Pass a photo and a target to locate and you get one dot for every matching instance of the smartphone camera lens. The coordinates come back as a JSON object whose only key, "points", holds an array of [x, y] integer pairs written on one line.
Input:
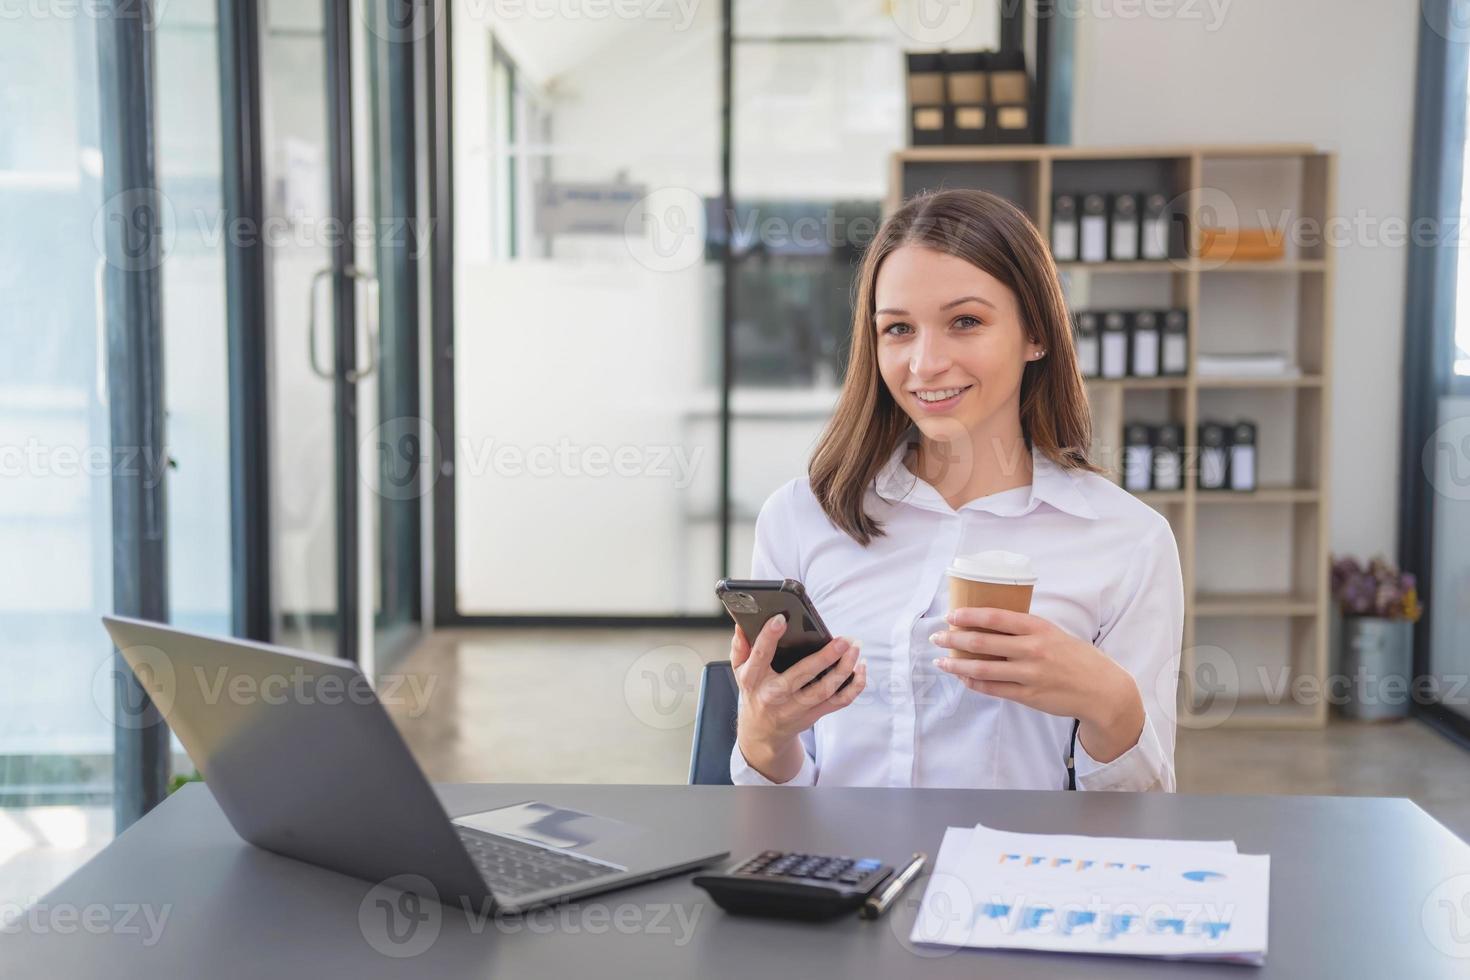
{"points": [[741, 602]]}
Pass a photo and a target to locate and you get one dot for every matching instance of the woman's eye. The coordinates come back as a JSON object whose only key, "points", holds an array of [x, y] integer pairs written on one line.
{"points": [[967, 322], [896, 329]]}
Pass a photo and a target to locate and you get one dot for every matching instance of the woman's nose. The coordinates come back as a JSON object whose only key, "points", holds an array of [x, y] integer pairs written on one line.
{"points": [[930, 356]]}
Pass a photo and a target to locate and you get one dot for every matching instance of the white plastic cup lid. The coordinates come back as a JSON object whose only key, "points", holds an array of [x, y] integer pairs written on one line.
{"points": [[999, 567]]}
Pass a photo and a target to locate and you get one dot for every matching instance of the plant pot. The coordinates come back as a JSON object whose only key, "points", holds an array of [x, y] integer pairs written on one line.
{"points": [[1375, 657]]}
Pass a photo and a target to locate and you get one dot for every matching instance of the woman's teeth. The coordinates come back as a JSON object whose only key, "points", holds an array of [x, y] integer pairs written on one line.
{"points": [[940, 395]]}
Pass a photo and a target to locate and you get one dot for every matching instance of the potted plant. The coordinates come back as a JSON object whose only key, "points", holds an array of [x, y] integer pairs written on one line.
{"points": [[1377, 606]]}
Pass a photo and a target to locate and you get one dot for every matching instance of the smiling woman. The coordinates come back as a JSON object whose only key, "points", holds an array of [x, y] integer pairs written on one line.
{"points": [[963, 426], [972, 264]]}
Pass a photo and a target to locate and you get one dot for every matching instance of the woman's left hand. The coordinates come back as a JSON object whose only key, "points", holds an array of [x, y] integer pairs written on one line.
{"points": [[1046, 668]]}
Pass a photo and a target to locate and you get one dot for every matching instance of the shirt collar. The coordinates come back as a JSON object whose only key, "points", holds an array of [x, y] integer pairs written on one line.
{"points": [[1050, 484]]}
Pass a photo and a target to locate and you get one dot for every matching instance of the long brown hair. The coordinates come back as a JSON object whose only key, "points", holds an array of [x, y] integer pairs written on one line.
{"points": [[994, 235]]}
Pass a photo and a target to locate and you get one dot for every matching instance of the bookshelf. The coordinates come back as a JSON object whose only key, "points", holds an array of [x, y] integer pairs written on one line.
{"points": [[1255, 565]]}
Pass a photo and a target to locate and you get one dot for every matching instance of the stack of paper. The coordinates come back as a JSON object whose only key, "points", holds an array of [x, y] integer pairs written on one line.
{"points": [[1176, 899], [1270, 364]]}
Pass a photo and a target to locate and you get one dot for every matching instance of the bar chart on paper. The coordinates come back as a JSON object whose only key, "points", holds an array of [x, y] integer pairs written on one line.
{"points": [[1173, 899]]}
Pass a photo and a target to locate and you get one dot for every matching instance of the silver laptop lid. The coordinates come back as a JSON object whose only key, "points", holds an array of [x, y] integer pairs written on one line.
{"points": [[302, 758]]}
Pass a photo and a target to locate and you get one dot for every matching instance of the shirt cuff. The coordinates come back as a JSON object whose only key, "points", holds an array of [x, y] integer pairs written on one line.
{"points": [[1143, 767], [742, 774]]}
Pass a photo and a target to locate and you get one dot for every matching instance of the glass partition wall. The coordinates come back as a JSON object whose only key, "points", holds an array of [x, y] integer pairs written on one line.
{"points": [[593, 242], [55, 511], [587, 334]]}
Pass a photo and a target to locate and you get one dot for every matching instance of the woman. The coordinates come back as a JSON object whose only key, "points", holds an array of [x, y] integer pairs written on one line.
{"points": [[963, 427]]}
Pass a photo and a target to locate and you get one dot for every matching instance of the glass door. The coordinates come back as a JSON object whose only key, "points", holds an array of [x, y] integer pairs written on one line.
{"points": [[1447, 467], [338, 147], [394, 451], [303, 438], [1434, 514]]}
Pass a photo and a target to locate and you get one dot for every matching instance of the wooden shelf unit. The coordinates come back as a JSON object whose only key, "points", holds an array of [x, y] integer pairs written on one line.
{"points": [[1290, 181]]}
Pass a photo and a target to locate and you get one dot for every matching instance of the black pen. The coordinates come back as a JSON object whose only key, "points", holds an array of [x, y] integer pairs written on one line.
{"points": [[876, 905]]}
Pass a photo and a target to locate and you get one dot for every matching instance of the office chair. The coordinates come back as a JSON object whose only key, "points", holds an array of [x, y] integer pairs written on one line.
{"points": [[714, 726]]}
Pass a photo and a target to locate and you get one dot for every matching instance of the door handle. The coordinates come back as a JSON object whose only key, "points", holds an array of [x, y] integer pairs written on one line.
{"points": [[316, 367], [99, 302], [353, 374], [357, 374]]}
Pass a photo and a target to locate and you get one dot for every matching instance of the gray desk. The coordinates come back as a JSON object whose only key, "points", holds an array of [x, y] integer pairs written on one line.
{"points": [[1350, 882]]}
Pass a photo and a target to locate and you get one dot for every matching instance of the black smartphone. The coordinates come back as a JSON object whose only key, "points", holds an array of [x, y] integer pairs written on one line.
{"points": [[754, 602]]}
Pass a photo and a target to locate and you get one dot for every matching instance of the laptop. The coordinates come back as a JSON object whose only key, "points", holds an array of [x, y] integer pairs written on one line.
{"points": [[305, 763]]}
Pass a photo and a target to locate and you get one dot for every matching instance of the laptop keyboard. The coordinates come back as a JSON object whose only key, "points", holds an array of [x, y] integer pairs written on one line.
{"points": [[512, 868]]}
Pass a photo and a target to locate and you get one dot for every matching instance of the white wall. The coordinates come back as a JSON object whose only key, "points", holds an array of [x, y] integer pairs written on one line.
{"points": [[1338, 75]]}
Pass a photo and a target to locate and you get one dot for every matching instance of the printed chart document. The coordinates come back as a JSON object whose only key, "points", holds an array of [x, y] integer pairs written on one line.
{"points": [[992, 889]]}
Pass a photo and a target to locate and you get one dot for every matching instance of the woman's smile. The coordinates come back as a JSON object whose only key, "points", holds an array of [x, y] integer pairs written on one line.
{"points": [[940, 399]]}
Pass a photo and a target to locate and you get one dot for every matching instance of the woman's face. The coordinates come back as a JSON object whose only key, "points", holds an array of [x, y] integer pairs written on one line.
{"points": [[951, 346]]}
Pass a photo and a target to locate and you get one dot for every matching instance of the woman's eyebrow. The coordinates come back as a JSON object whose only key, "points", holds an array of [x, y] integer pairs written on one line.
{"points": [[951, 303], [968, 299], [892, 311]]}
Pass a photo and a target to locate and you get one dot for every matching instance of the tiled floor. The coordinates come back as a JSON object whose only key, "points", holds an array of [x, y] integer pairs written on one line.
{"points": [[590, 705]]}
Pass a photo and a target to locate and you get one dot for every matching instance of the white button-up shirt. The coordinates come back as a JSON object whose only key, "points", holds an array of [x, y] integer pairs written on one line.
{"points": [[1108, 572]]}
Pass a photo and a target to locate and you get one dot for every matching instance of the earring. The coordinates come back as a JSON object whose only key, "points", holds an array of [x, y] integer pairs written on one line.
{"points": [[1038, 355]]}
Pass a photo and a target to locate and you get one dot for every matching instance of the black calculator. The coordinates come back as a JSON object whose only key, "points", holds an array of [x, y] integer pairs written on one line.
{"points": [[795, 886]]}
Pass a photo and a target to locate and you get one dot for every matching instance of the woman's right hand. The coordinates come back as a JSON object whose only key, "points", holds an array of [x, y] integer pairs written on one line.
{"points": [[777, 707]]}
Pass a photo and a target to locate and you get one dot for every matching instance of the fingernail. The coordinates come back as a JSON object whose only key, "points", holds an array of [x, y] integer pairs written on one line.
{"points": [[936, 636], [842, 645], [780, 621], [949, 617], [939, 662]]}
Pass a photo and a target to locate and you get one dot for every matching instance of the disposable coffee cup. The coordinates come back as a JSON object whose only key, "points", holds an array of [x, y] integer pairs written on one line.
{"points": [[994, 579]]}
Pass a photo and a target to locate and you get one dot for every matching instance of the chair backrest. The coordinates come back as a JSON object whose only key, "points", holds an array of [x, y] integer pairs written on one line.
{"points": [[714, 726]]}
